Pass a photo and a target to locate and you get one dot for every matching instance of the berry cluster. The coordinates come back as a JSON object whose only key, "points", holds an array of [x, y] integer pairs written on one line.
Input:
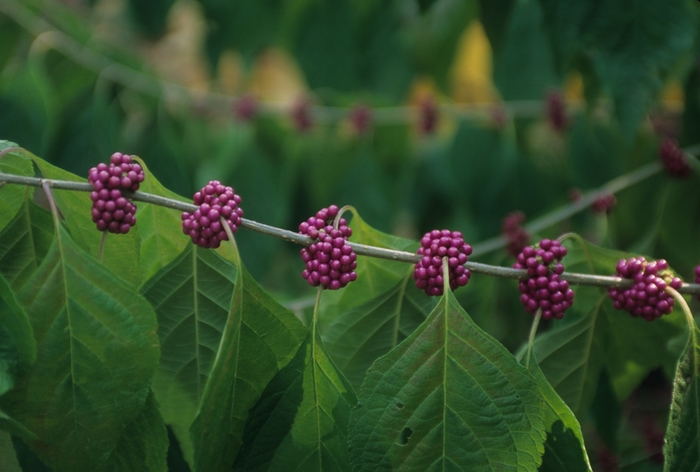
{"points": [[361, 118], [673, 159], [556, 111], [517, 236], [330, 261], [301, 115], [245, 108], [111, 211], [433, 247], [604, 204], [543, 288], [697, 277], [647, 297], [215, 201]]}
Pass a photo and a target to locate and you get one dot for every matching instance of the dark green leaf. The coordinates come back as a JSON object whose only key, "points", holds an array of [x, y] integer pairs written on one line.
{"points": [[682, 444], [259, 339], [120, 252], [191, 297], [375, 313], [448, 397], [301, 419], [8, 458], [143, 444], [12, 196], [97, 351], [24, 242], [17, 345], [564, 448]]}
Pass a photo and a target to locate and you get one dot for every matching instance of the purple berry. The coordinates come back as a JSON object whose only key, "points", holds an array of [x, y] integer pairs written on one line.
{"points": [[697, 276], [673, 159], [301, 115], [512, 229], [556, 111], [361, 119], [204, 225], [543, 289], [433, 247], [604, 204], [245, 108], [330, 261], [647, 298], [428, 115]]}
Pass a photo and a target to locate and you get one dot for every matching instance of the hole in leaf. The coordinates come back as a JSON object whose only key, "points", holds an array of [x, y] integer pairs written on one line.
{"points": [[399, 406], [403, 437]]}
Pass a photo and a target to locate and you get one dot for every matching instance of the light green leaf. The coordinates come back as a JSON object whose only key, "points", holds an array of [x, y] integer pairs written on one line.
{"points": [[682, 442], [144, 442], [259, 339], [372, 315], [12, 196], [192, 297], [448, 397], [17, 345], [120, 252], [162, 239], [24, 242], [97, 350], [564, 449], [300, 421]]}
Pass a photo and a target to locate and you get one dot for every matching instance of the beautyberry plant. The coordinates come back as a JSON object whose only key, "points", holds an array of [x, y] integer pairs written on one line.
{"points": [[543, 289], [110, 210], [673, 159], [647, 298], [434, 246], [204, 225], [330, 261]]}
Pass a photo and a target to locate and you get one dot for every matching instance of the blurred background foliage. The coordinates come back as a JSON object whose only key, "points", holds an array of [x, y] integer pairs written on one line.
{"points": [[163, 79], [263, 95]]}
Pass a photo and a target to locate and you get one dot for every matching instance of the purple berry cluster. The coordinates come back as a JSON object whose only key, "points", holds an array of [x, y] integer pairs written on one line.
{"points": [[604, 204], [204, 226], [515, 234], [433, 247], [111, 211], [301, 115], [647, 298], [245, 108], [673, 159], [697, 277], [543, 288], [428, 115], [330, 261], [361, 119]]}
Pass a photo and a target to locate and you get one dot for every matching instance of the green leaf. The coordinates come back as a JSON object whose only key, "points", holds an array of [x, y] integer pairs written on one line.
{"points": [[160, 228], [121, 251], [17, 345], [191, 297], [372, 315], [144, 442], [259, 339], [14, 427], [682, 442], [8, 458], [97, 350], [12, 196], [300, 421], [24, 242], [448, 397], [564, 449]]}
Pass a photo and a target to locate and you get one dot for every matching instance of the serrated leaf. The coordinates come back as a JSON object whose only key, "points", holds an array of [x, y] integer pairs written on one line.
{"points": [[191, 297], [259, 339], [144, 442], [682, 442], [24, 242], [121, 251], [564, 449], [160, 228], [97, 350], [300, 421], [448, 397], [12, 196], [17, 345], [375, 313]]}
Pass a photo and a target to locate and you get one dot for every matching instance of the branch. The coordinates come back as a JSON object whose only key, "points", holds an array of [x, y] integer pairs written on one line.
{"points": [[360, 249]]}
